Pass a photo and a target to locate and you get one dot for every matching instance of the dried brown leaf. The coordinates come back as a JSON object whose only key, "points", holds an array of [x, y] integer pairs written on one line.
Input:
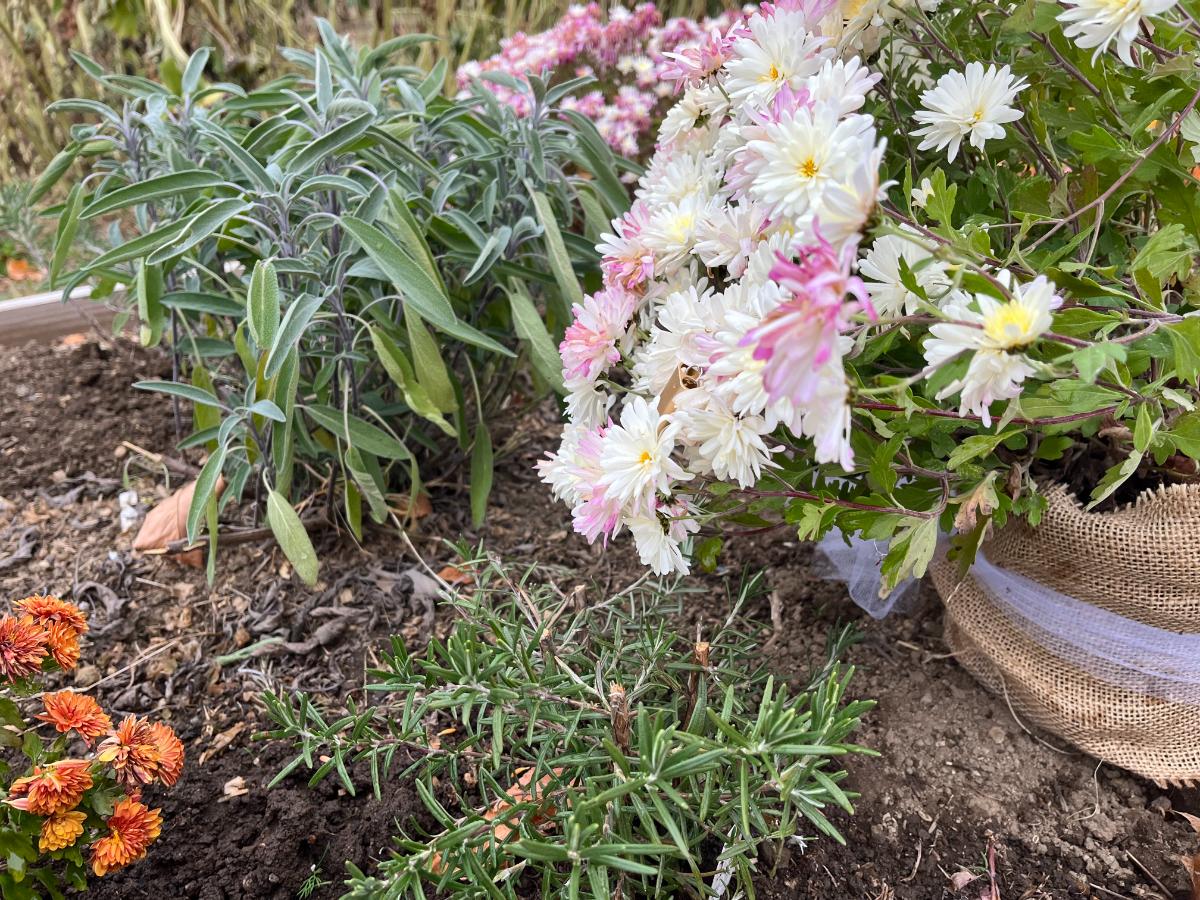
{"points": [[961, 879], [167, 522]]}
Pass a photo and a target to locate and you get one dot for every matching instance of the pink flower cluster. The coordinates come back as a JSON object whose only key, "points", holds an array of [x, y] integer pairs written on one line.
{"points": [[798, 337], [635, 56]]}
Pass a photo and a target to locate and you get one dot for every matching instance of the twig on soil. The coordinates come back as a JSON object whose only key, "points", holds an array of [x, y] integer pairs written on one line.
{"points": [[230, 538], [1154, 878], [916, 865], [178, 466], [133, 665], [1107, 892]]}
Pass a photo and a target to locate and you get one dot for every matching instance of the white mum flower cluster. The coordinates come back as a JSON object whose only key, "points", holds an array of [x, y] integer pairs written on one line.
{"points": [[729, 284]]}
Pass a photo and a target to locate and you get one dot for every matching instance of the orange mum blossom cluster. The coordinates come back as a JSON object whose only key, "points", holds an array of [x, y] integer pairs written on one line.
{"points": [[93, 800]]}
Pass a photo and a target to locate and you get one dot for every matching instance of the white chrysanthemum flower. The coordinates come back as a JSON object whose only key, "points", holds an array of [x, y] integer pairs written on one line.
{"points": [[587, 404], [681, 318], [1097, 23], [694, 119], [728, 235], [825, 416], [659, 545], [991, 375], [729, 446], [847, 205], [779, 50], [844, 84], [671, 230], [798, 158], [676, 177], [880, 270], [974, 104], [923, 194], [561, 470], [637, 462], [994, 330]]}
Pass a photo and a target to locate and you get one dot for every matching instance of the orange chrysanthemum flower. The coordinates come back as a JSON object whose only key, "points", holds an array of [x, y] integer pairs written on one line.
{"points": [[131, 829], [22, 647], [61, 831], [133, 751], [170, 748], [52, 789], [63, 642], [46, 610], [66, 710]]}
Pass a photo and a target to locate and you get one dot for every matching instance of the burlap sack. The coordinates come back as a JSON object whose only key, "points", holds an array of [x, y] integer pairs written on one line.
{"points": [[1141, 562]]}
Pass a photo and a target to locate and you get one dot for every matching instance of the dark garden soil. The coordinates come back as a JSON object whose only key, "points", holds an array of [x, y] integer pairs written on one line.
{"points": [[961, 786]]}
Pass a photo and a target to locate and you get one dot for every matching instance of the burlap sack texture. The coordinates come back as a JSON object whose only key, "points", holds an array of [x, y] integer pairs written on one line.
{"points": [[1142, 562]]}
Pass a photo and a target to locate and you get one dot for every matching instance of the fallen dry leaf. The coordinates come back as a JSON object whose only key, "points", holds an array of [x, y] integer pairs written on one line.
{"points": [[402, 504], [518, 793], [167, 523], [961, 879], [235, 787], [23, 270], [222, 740], [1191, 861], [454, 575], [77, 339]]}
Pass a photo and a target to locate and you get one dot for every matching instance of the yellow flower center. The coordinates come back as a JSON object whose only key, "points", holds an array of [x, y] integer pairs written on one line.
{"points": [[645, 459], [977, 117], [681, 226], [773, 73], [808, 168], [1010, 325]]}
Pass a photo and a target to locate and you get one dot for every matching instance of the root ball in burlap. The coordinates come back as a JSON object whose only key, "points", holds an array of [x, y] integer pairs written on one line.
{"points": [[1141, 563]]}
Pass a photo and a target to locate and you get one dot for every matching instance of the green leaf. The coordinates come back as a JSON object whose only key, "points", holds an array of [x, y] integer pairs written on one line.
{"points": [[196, 301], [400, 370], [531, 329], [175, 184], [481, 473], [357, 433], [1185, 434], [1114, 478], [262, 304], [149, 290], [1092, 359], [293, 539], [53, 172], [367, 484], [406, 226], [199, 228], [431, 369], [184, 391], [194, 71], [975, 446], [556, 252], [294, 324], [420, 293], [64, 236], [206, 484], [1185, 338], [327, 145]]}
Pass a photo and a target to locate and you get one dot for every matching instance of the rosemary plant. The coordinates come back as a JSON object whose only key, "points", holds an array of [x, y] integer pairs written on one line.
{"points": [[586, 748]]}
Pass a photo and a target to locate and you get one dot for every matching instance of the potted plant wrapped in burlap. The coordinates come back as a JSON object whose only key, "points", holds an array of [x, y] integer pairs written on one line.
{"points": [[1089, 625]]}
